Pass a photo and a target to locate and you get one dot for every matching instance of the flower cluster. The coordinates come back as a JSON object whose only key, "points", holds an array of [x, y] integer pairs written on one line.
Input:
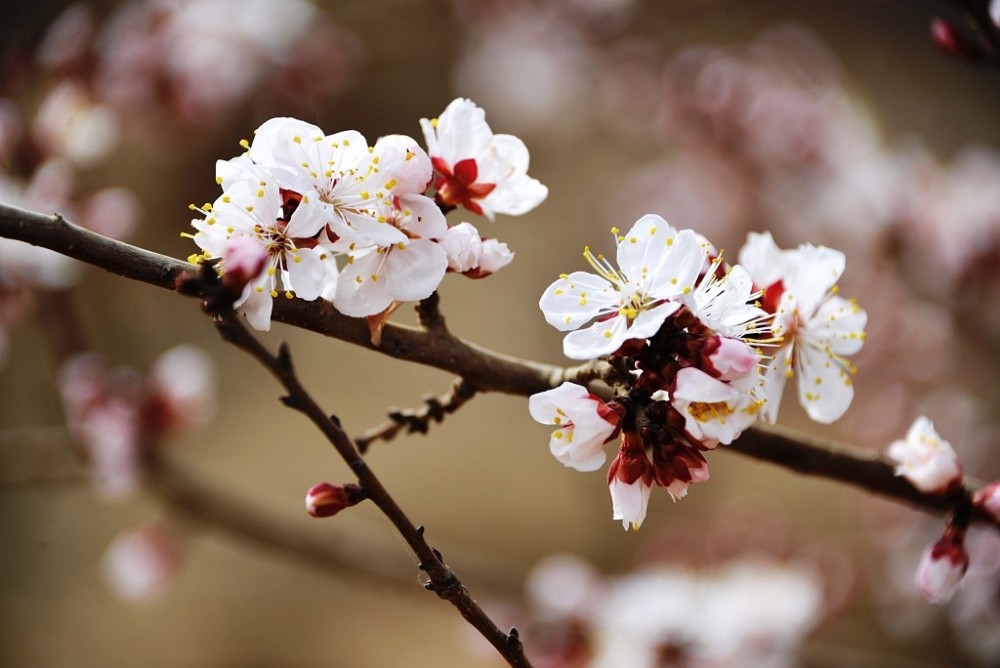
{"points": [[699, 350], [313, 215]]}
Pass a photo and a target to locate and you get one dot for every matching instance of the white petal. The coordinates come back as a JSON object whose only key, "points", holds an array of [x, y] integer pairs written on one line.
{"points": [[505, 157], [546, 406], [649, 321], [402, 159], [577, 299], [257, 308], [572, 451], [817, 270], [629, 502], [680, 262], [763, 259], [602, 338], [825, 387], [358, 294], [425, 218], [640, 249], [462, 132], [274, 142], [306, 274], [841, 324], [308, 219], [773, 387], [414, 272], [694, 385], [514, 196]]}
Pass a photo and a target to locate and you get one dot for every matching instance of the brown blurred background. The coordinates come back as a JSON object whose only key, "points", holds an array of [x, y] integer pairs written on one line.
{"points": [[483, 482]]}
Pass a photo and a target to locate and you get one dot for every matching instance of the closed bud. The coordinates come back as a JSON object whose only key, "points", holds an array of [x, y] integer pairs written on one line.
{"points": [[326, 500], [243, 260], [942, 567]]}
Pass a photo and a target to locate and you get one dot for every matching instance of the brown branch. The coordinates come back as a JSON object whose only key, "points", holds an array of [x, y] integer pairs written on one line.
{"points": [[418, 420], [858, 468], [485, 370], [443, 580]]}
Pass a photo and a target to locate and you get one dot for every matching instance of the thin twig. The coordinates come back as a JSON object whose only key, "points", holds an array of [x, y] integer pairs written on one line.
{"points": [[486, 370], [418, 421], [443, 580]]}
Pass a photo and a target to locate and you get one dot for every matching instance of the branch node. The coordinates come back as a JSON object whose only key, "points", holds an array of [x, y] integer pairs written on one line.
{"points": [[291, 402], [514, 644], [429, 313]]}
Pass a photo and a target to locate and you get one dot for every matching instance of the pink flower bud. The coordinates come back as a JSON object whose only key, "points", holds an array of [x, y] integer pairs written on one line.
{"points": [[243, 260], [472, 255], [494, 256], [326, 500], [728, 359], [988, 498], [942, 567]]}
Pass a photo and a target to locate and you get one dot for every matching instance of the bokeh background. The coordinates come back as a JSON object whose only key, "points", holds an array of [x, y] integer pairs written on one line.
{"points": [[834, 123]]}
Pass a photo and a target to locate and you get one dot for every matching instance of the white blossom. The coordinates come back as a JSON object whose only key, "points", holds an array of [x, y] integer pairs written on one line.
{"points": [[657, 266], [252, 207], [582, 430], [814, 328], [925, 459], [484, 172]]}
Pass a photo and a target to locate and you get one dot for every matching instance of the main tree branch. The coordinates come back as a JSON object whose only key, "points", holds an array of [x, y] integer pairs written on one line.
{"points": [[482, 370]]}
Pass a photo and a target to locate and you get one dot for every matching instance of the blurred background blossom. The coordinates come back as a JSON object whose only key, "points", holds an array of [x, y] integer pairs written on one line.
{"points": [[828, 123]]}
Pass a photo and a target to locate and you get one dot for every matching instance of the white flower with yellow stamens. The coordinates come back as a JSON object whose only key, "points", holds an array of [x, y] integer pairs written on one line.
{"points": [[583, 424], [253, 209], [342, 175], [657, 264], [817, 328]]}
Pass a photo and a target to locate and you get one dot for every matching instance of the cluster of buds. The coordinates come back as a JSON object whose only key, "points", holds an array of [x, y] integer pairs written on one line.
{"points": [[699, 350], [313, 215], [932, 466]]}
